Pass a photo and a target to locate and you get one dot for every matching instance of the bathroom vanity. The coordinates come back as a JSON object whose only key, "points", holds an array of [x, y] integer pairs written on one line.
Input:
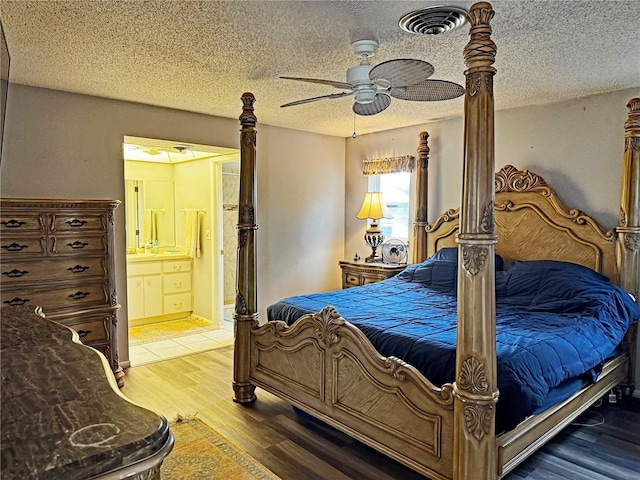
{"points": [[158, 287]]}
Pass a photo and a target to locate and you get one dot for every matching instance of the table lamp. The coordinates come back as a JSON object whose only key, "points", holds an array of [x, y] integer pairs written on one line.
{"points": [[373, 207]]}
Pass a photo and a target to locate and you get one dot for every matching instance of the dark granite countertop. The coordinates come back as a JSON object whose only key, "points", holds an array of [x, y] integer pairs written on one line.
{"points": [[62, 414]]}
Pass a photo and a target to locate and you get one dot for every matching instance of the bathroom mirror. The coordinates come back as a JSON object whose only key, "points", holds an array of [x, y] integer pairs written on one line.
{"points": [[150, 212]]}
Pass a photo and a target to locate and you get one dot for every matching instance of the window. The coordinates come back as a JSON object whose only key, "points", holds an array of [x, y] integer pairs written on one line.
{"points": [[395, 188]]}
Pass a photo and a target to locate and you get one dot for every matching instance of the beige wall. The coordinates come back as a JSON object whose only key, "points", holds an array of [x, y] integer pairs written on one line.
{"points": [[62, 145], [301, 179]]}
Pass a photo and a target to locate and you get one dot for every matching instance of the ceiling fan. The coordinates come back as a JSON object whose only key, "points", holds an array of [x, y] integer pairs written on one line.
{"points": [[373, 86]]}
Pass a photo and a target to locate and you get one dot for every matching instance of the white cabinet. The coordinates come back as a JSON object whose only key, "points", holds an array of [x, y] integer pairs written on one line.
{"points": [[159, 288], [177, 286]]}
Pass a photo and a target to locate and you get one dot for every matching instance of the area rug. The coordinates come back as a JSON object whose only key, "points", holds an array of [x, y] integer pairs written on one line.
{"points": [[200, 453], [155, 332]]}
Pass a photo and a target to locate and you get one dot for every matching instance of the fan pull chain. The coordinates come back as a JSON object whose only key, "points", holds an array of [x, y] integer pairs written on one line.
{"points": [[354, 126]]}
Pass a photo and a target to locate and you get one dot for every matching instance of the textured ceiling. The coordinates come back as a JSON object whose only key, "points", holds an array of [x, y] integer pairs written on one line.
{"points": [[201, 56]]}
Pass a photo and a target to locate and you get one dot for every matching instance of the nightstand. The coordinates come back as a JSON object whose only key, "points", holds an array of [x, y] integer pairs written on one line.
{"points": [[361, 273]]}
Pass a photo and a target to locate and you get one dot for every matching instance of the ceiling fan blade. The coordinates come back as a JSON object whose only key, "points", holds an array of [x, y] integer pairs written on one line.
{"points": [[428, 91], [380, 103], [333, 83], [314, 99], [402, 71]]}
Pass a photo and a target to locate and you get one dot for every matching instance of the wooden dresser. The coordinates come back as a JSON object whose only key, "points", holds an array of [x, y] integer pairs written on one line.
{"points": [[355, 273], [59, 255]]}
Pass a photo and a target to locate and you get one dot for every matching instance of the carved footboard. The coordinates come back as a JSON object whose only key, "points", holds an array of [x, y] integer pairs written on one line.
{"points": [[328, 368]]}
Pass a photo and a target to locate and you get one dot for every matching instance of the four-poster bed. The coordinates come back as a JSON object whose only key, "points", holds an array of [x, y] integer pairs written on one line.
{"points": [[327, 367]]}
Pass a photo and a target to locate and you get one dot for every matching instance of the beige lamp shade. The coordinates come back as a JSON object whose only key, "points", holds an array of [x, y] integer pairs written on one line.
{"points": [[373, 207]]}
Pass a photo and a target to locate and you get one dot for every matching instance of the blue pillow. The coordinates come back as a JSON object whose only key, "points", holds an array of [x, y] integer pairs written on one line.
{"points": [[436, 273], [523, 266], [553, 286], [450, 254], [440, 271]]}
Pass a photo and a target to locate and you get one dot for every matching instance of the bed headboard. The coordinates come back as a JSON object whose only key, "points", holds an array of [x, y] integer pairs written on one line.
{"points": [[533, 224]]}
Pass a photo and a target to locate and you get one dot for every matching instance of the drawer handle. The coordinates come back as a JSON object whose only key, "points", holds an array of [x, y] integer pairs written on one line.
{"points": [[75, 223], [13, 223], [177, 267], [14, 247], [177, 304], [16, 302], [77, 244], [83, 333], [78, 269], [177, 284], [15, 273], [79, 295]]}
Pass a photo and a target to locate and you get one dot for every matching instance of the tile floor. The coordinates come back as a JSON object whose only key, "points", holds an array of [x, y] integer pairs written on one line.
{"points": [[184, 345]]}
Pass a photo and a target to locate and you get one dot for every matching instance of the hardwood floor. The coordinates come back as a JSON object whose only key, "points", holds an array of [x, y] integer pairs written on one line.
{"points": [[298, 449]]}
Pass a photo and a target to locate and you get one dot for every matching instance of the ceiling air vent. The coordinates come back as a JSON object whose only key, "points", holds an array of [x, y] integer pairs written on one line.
{"points": [[433, 20]]}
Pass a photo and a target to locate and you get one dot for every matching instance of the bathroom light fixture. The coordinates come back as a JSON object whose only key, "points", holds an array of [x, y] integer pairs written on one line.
{"points": [[182, 148], [151, 150]]}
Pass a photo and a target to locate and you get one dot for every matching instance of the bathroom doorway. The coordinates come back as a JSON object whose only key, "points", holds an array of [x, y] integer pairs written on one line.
{"points": [[230, 196], [178, 216]]}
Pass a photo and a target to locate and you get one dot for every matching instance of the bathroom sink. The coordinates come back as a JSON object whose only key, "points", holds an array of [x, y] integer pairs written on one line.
{"points": [[132, 257]]}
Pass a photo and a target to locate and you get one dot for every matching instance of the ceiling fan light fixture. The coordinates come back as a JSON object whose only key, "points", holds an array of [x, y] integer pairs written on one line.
{"points": [[380, 103], [433, 20], [365, 94]]}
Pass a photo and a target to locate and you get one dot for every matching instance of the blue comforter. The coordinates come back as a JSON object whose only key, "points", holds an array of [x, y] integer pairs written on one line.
{"points": [[555, 322]]}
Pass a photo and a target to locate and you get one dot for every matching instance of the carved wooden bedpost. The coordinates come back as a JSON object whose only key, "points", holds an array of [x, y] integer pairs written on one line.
{"points": [[475, 387], [419, 248], [628, 244], [628, 250], [246, 312]]}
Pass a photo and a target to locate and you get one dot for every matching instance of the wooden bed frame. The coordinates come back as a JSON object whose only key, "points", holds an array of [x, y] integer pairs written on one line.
{"points": [[328, 368]]}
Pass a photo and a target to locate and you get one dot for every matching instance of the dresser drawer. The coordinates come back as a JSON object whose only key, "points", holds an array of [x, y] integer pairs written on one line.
{"points": [[55, 270], [372, 279], [180, 302], [92, 330], [356, 273], [177, 282], [22, 223], [57, 298], [78, 244], [22, 246], [351, 279], [65, 222], [144, 268], [176, 266]]}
